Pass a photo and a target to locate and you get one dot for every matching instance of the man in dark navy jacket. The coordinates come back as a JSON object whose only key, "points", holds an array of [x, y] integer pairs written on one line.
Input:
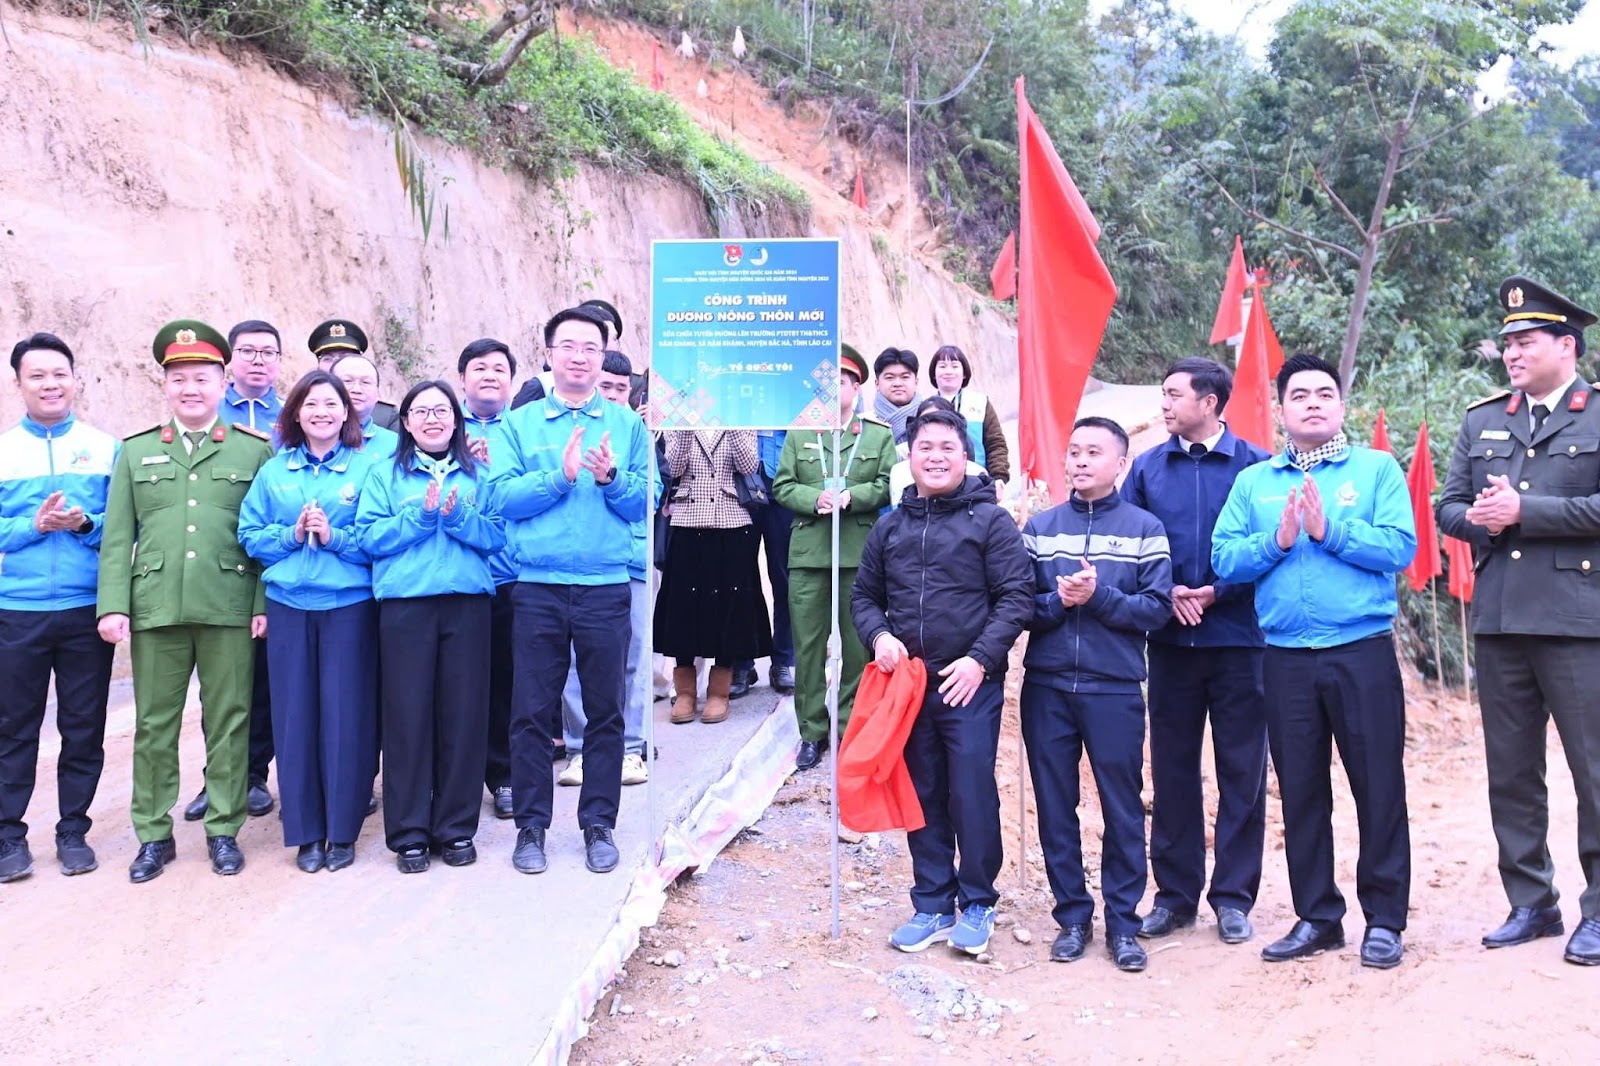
{"points": [[1205, 660]]}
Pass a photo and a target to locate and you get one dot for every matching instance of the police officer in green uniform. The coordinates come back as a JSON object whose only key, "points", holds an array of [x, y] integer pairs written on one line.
{"points": [[175, 581], [813, 481], [1524, 491]]}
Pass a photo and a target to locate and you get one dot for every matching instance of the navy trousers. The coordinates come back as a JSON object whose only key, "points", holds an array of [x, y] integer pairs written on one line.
{"points": [[34, 645], [554, 622], [950, 755], [497, 770], [774, 525], [1188, 685], [1350, 695], [325, 717], [1058, 726]]}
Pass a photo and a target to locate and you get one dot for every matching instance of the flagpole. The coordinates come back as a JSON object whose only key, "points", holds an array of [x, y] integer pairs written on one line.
{"points": [[1466, 658], [1438, 645], [835, 668]]}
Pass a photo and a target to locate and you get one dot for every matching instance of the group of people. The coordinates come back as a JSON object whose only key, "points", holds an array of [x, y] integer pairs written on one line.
{"points": [[1256, 591]]}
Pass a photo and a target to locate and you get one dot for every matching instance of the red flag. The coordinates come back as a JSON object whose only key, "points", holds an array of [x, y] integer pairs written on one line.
{"points": [[1380, 435], [1003, 276], [1462, 576], [1064, 299], [658, 77], [1250, 409], [1230, 312], [859, 197], [1426, 566]]}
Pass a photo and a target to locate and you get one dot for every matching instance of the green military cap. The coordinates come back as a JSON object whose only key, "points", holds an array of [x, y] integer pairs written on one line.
{"points": [[850, 359], [189, 340], [337, 335], [1530, 305]]}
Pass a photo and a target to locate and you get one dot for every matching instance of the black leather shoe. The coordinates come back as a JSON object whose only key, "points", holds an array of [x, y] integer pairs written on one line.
{"points": [[1070, 943], [502, 802], [372, 803], [75, 854], [152, 858], [1584, 947], [743, 678], [558, 751], [312, 857], [782, 679], [460, 853], [529, 857], [1526, 924], [226, 858], [1304, 940], [1126, 953], [599, 849], [258, 800], [412, 860], [340, 856], [16, 861], [1162, 921], [1381, 948], [197, 807], [811, 753], [1233, 925]]}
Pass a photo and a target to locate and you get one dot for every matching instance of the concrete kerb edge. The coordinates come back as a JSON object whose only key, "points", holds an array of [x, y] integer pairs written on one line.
{"points": [[734, 802]]}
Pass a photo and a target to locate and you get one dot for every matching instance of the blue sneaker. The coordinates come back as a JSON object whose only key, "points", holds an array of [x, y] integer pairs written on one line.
{"points": [[972, 932], [922, 930]]}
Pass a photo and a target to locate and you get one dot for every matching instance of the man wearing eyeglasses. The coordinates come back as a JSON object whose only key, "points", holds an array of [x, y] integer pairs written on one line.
{"points": [[251, 399]]}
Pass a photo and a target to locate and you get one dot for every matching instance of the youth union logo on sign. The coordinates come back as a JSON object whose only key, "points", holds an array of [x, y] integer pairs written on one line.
{"points": [[732, 254]]}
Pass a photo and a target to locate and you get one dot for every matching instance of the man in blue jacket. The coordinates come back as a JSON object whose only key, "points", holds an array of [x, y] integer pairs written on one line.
{"points": [[1102, 580], [576, 485], [55, 472], [1205, 661], [1322, 530]]}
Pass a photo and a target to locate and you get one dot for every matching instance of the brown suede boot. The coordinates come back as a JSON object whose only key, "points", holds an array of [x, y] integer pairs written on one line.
{"points": [[717, 686], [684, 680]]}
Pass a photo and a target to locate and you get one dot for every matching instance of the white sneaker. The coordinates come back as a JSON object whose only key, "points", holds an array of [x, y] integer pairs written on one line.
{"points": [[572, 773], [634, 771]]}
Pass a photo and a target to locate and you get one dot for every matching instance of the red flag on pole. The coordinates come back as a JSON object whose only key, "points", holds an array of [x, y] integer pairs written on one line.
{"points": [[1380, 435], [1419, 477], [1230, 312], [1249, 411], [1462, 576], [859, 197], [1064, 299], [1003, 275], [658, 77]]}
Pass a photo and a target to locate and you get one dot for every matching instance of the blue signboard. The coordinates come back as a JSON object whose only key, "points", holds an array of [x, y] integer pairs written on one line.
{"points": [[744, 334]]}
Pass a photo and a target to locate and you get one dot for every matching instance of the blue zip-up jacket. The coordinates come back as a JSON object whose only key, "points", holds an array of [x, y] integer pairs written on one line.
{"points": [[259, 414], [418, 553], [1186, 493], [378, 441], [1097, 646], [574, 532], [769, 445], [1320, 595], [496, 430], [52, 571], [309, 577]]}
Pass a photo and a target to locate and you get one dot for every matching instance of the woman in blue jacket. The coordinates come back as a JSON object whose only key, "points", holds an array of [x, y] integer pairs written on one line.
{"points": [[427, 520], [298, 521]]}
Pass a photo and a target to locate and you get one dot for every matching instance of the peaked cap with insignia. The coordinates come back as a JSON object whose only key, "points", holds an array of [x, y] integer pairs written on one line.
{"points": [[189, 340], [1530, 305], [337, 335]]}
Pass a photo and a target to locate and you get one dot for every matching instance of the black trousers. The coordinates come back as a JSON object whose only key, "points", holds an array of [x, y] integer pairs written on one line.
{"points": [[950, 755], [1523, 682], [1351, 696], [434, 655], [1057, 727], [33, 645], [775, 524], [497, 768], [554, 623], [1187, 685]]}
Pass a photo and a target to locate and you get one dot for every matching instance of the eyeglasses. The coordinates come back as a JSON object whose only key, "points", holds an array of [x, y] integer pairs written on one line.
{"points": [[431, 414], [568, 348], [256, 355]]}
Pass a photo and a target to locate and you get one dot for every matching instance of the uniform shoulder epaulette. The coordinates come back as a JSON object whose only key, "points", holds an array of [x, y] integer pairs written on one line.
{"points": [[141, 432], [242, 428], [1502, 394], [874, 420]]}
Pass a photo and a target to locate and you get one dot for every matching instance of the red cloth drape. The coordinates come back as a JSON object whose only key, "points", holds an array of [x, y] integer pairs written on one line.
{"points": [[875, 790], [1462, 576], [1419, 477], [1230, 311], [859, 196], [1003, 276], [1249, 410], [1380, 434]]}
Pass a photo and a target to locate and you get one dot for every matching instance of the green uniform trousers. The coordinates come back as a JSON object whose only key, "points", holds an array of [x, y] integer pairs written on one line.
{"points": [[809, 591], [163, 660]]}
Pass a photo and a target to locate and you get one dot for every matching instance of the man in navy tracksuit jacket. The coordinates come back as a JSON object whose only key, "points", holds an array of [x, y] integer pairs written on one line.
{"points": [[1205, 661], [1102, 579]]}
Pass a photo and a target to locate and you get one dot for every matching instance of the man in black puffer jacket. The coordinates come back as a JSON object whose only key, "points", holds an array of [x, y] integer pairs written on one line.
{"points": [[944, 578]]}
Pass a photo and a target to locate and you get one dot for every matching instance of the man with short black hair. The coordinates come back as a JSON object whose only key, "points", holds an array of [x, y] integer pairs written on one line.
{"points": [[251, 399], [894, 399], [1102, 579], [1205, 662], [1322, 529], [55, 474]]}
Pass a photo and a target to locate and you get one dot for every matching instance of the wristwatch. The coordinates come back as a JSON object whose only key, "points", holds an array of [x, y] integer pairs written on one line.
{"points": [[611, 475]]}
